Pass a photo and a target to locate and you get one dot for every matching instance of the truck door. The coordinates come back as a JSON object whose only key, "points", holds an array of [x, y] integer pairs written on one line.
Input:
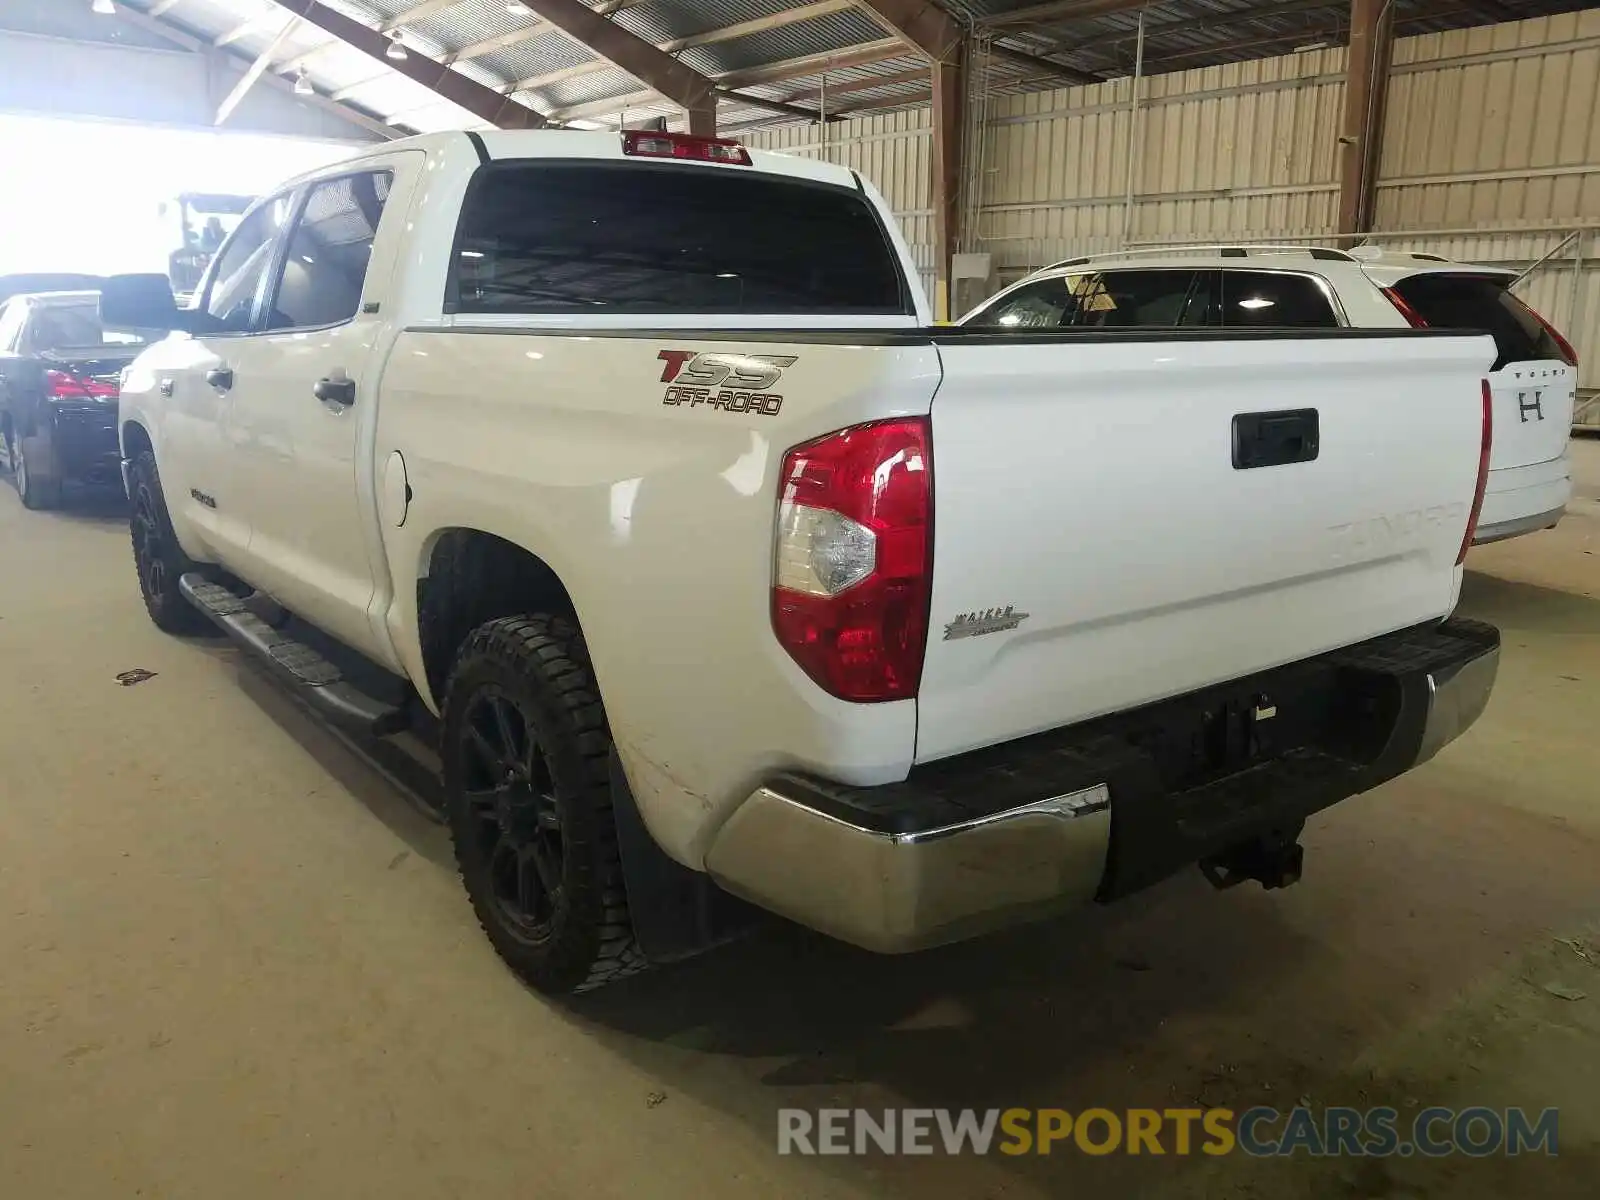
{"points": [[308, 400], [199, 440]]}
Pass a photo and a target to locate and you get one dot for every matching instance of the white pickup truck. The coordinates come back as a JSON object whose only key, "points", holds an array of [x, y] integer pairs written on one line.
{"points": [[636, 461]]}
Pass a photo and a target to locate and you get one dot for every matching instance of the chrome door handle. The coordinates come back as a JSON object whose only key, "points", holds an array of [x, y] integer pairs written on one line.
{"points": [[220, 378]]}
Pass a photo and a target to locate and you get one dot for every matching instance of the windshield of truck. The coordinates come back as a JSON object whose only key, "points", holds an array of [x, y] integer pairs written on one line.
{"points": [[540, 237]]}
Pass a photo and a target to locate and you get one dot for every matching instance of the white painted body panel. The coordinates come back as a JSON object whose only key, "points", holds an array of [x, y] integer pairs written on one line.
{"points": [[1091, 486], [1105, 506], [659, 521], [1534, 401]]}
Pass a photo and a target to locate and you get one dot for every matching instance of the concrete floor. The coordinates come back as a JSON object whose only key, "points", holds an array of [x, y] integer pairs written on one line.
{"points": [[236, 962]]}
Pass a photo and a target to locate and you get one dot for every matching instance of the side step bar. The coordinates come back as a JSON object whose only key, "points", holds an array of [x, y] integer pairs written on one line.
{"points": [[319, 682]]}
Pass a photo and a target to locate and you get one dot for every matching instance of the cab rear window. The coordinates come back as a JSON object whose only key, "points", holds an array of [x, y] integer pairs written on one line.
{"points": [[566, 237], [1452, 301]]}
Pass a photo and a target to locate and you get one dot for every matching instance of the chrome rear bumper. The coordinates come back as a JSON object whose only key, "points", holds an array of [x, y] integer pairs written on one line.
{"points": [[900, 891], [854, 863]]}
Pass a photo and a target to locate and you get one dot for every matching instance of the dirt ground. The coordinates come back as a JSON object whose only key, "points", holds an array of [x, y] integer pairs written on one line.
{"points": [[235, 962]]}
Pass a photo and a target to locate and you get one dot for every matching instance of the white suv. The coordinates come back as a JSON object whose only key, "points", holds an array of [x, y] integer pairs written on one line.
{"points": [[1534, 379]]}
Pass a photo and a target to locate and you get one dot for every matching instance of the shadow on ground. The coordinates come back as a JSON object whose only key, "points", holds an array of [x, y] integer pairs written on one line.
{"points": [[1525, 607]]}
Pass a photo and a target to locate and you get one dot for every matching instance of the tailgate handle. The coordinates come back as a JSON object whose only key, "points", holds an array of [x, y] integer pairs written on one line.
{"points": [[1272, 439]]}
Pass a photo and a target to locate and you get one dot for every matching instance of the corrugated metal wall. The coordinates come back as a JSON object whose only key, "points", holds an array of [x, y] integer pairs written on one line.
{"points": [[893, 151], [1243, 150], [1495, 128]]}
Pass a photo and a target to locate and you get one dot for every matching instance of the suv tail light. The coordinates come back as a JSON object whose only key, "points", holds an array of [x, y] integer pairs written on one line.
{"points": [[852, 559], [1412, 316], [1567, 350], [1483, 473], [642, 144], [58, 385]]}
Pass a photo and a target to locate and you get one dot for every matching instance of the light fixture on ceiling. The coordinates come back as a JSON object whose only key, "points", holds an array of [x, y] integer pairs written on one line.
{"points": [[104, 7], [515, 9], [1310, 46], [302, 84], [397, 49]]}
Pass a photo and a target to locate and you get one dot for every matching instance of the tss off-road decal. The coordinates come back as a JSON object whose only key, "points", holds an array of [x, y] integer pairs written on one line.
{"points": [[731, 382]]}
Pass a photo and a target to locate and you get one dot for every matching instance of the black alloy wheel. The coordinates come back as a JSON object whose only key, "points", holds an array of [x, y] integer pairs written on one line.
{"points": [[509, 790]]}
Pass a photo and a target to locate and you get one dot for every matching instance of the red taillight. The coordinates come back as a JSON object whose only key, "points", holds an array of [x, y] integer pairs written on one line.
{"points": [[852, 563], [1569, 352], [1412, 316], [59, 385], [1483, 473], [642, 144]]}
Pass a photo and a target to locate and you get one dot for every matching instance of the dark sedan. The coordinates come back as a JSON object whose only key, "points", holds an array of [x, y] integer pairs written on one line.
{"points": [[60, 373]]}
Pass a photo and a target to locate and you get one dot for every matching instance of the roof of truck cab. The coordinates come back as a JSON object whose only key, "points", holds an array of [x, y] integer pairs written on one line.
{"points": [[504, 145]]}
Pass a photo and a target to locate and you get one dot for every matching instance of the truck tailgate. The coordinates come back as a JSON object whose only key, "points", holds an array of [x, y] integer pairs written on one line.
{"points": [[1102, 538]]}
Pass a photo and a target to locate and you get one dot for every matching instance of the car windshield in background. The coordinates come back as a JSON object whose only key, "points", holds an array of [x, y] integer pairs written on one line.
{"points": [[77, 327], [1446, 300], [637, 238]]}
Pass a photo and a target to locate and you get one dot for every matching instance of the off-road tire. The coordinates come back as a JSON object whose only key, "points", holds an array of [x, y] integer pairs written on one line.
{"points": [[537, 667], [157, 557]]}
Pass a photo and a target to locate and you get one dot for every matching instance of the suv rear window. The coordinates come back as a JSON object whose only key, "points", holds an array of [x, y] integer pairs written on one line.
{"points": [[547, 237], [1450, 301]]}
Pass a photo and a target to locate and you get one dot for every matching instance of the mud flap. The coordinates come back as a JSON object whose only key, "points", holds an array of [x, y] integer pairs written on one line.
{"points": [[677, 913]]}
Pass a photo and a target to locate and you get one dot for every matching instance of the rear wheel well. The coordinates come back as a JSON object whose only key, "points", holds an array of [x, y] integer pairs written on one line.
{"points": [[473, 577], [135, 440]]}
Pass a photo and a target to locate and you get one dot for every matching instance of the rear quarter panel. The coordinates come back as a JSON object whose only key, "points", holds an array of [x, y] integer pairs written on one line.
{"points": [[658, 517]]}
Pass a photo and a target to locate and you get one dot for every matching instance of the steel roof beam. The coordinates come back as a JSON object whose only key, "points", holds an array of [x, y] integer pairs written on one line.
{"points": [[179, 36], [482, 102], [816, 64], [415, 13], [1062, 10], [866, 82], [710, 37], [660, 72]]}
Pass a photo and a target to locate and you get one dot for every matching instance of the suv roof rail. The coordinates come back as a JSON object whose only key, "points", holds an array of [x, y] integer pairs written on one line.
{"points": [[1230, 250]]}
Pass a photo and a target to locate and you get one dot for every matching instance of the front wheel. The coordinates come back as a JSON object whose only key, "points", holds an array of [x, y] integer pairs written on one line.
{"points": [[159, 559], [525, 748]]}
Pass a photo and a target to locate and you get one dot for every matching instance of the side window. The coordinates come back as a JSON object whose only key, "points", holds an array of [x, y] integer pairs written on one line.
{"points": [[11, 314], [1099, 300], [1039, 305], [1267, 300], [326, 264], [1154, 299], [239, 269]]}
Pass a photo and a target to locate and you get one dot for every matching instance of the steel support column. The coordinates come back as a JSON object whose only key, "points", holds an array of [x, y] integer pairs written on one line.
{"points": [[1366, 85], [933, 31], [949, 122]]}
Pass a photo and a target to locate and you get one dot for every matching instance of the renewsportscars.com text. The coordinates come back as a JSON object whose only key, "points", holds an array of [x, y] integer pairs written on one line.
{"points": [[1259, 1132]]}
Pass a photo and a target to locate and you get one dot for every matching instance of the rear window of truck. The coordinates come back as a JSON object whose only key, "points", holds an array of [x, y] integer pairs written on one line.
{"points": [[543, 237], [1450, 301]]}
